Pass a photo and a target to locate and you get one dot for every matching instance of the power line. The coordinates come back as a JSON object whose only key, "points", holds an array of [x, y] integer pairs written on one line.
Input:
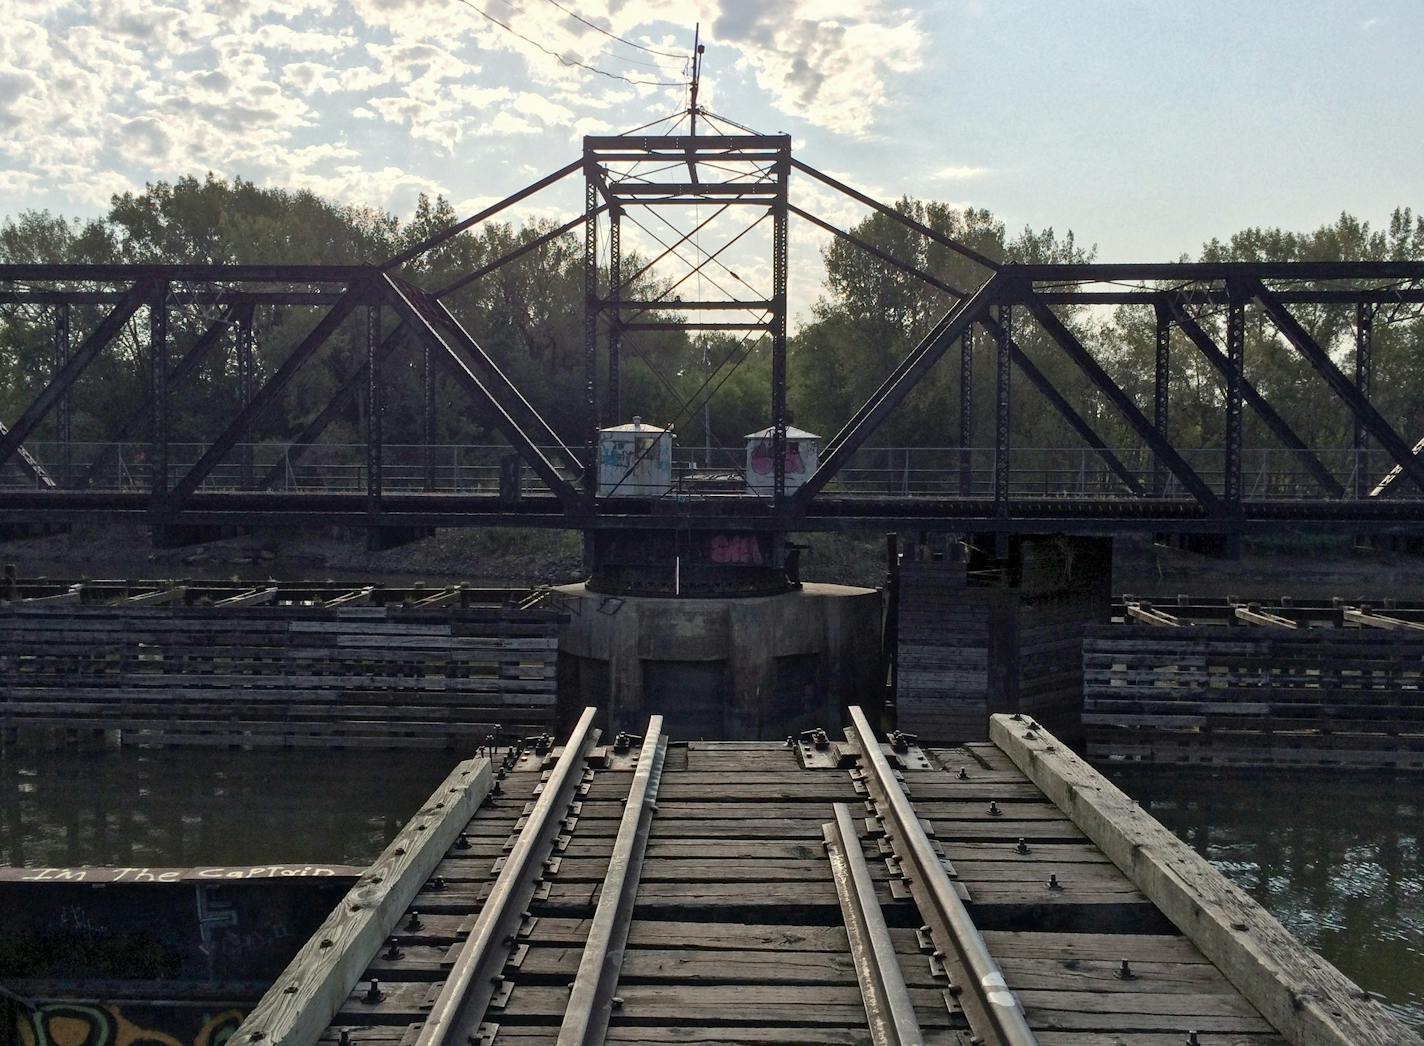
{"points": [[612, 36], [567, 61]]}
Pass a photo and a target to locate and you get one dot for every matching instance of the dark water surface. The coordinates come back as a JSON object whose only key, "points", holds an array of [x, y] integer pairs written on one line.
{"points": [[1337, 857], [176, 807]]}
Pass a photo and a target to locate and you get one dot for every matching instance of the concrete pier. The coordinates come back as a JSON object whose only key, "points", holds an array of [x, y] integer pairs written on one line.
{"points": [[748, 668]]}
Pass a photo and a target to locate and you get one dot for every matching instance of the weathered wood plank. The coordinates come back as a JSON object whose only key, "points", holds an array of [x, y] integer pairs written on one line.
{"points": [[1304, 997], [321, 976]]}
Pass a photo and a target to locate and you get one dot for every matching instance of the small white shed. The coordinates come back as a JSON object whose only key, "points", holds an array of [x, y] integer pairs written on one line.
{"points": [[634, 461], [802, 448]]}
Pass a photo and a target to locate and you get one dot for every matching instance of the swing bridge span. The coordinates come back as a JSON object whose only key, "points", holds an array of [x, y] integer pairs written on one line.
{"points": [[142, 472]]}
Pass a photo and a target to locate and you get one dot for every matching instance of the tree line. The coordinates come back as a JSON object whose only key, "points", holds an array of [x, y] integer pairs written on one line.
{"points": [[528, 315]]}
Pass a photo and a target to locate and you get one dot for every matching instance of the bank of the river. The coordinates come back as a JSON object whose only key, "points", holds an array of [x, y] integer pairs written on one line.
{"points": [[1318, 567], [1337, 857]]}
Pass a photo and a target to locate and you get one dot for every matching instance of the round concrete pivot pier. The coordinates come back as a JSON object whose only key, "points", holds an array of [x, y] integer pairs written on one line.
{"points": [[746, 667]]}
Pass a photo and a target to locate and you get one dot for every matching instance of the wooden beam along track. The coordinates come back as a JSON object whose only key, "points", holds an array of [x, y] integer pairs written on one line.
{"points": [[658, 891]]}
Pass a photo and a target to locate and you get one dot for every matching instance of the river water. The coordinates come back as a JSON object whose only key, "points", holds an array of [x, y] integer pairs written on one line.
{"points": [[1337, 858], [174, 807]]}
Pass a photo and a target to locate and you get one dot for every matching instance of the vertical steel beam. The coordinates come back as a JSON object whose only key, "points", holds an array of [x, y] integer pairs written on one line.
{"points": [[158, 364], [613, 406], [64, 421], [1002, 374], [375, 406], [1162, 395], [1236, 360], [1364, 377], [427, 414], [590, 332], [245, 378], [778, 328], [966, 413]]}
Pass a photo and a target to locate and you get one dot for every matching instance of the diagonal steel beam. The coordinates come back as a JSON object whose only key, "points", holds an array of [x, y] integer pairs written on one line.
{"points": [[185, 368], [312, 431], [1277, 424], [273, 387], [64, 379], [420, 326], [896, 387], [1040, 381], [1342, 386], [500, 384], [518, 252], [1059, 402], [1094, 372], [903, 219], [870, 248], [475, 219], [339, 400], [31, 465]]}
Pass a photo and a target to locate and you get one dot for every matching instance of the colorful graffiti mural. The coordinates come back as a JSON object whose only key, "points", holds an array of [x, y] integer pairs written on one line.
{"points": [[112, 1024]]}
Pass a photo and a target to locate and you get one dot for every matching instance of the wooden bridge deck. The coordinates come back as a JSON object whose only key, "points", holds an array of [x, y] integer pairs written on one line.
{"points": [[749, 892]]}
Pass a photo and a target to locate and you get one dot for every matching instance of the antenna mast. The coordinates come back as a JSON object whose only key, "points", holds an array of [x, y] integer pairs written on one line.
{"points": [[697, 50]]}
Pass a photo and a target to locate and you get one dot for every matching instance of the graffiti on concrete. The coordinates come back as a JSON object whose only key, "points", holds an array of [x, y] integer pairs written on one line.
{"points": [[738, 549], [108, 1024]]}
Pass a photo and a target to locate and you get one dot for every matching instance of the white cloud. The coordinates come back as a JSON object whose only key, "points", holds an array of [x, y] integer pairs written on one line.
{"points": [[956, 173]]}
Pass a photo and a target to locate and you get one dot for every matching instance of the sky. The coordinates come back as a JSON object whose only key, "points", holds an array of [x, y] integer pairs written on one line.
{"points": [[1147, 128]]}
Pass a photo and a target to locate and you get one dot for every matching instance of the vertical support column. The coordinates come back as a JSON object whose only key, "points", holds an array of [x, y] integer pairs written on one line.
{"points": [[245, 385], [1364, 375], [1236, 368], [64, 416], [1161, 400], [590, 333], [1001, 409], [613, 405], [966, 412], [158, 374], [374, 408], [427, 414], [778, 329]]}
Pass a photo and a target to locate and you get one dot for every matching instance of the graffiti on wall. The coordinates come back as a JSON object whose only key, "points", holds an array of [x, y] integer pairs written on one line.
{"points": [[763, 463], [109, 1024], [736, 549]]}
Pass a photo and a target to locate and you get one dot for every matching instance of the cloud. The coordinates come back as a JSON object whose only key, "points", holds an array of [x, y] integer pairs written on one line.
{"points": [[827, 62], [958, 173]]}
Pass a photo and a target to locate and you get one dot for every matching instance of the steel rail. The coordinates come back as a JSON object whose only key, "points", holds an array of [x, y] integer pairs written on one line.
{"points": [[888, 1010], [460, 1009], [591, 999], [950, 923]]}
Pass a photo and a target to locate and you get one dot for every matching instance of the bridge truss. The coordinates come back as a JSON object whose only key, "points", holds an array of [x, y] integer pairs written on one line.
{"points": [[142, 474]]}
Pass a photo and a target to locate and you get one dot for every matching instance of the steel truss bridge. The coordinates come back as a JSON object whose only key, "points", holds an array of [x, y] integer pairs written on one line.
{"points": [[143, 474]]}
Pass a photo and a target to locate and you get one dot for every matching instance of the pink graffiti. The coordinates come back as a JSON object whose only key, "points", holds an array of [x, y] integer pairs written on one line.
{"points": [[762, 463], [736, 548]]}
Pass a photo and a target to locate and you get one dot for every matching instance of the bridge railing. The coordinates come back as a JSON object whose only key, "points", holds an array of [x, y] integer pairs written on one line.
{"points": [[1268, 473]]}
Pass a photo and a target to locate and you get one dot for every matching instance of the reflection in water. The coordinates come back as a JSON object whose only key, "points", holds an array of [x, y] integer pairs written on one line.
{"points": [[176, 807], [1335, 856]]}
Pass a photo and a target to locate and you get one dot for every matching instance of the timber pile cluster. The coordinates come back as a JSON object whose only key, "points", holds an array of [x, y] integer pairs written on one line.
{"points": [[324, 667], [1255, 696], [974, 643]]}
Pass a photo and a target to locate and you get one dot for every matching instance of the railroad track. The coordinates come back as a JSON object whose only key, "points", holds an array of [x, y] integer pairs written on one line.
{"points": [[855, 891]]}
